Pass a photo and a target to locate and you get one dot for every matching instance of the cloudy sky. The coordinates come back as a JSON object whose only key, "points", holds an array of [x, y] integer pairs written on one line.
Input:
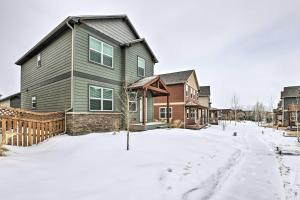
{"points": [[251, 48]]}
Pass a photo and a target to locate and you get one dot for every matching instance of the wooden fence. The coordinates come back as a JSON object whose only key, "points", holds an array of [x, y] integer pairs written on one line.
{"points": [[25, 128]]}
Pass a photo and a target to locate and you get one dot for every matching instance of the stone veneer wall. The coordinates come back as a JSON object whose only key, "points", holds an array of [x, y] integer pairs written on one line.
{"points": [[83, 123]]}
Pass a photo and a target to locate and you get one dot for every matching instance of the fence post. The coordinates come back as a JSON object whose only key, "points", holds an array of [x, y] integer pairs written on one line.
{"points": [[20, 132], [34, 132], [3, 131], [15, 137], [25, 134], [43, 133], [29, 133], [38, 132]]}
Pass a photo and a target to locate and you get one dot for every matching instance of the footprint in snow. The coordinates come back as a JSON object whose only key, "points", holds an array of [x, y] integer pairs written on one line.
{"points": [[170, 170], [187, 173]]}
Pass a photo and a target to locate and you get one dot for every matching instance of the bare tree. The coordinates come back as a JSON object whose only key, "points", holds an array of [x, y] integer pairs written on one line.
{"points": [[128, 100], [259, 112], [235, 106], [271, 107]]}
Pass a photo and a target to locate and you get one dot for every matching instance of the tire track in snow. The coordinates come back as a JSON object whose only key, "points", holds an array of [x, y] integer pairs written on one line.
{"points": [[208, 187]]}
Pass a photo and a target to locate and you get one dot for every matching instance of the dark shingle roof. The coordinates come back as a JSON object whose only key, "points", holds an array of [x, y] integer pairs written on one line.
{"points": [[72, 20], [291, 91], [204, 91], [176, 77]]}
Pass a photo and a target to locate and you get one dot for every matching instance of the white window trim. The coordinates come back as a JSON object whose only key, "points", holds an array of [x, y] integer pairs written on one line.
{"points": [[171, 112], [101, 99], [33, 98], [90, 48], [141, 67], [39, 59], [134, 102]]}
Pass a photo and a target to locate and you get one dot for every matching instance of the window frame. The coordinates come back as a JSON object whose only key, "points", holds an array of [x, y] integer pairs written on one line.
{"points": [[101, 99], [186, 90], [165, 108], [33, 98], [140, 67], [102, 52], [39, 60], [136, 101]]}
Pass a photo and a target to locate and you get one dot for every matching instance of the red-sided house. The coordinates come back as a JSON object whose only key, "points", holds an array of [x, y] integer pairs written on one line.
{"points": [[184, 103]]}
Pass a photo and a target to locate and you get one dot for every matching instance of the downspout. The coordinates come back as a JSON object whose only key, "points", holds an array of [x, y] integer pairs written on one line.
{"points": [[72, 75]]}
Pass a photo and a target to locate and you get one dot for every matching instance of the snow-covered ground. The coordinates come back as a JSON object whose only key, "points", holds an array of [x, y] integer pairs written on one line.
{"points": [[161, 164]]}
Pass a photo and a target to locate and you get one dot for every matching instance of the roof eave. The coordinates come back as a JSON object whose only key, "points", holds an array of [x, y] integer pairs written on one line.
{"points": [[43, 42]]}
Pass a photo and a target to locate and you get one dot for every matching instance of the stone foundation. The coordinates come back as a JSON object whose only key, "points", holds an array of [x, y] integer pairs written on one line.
{"points": [[84, 123]]}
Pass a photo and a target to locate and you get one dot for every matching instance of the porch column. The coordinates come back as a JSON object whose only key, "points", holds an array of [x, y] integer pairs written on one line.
{"points": [[144, 107], [168, 106]]}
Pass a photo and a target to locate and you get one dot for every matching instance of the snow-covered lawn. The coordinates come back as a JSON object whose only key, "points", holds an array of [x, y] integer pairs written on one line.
{"points": [[161, 164]]}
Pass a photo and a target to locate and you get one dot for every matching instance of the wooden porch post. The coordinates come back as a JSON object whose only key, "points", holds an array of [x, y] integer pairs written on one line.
{"points": [[144, 107], [168, 106]]}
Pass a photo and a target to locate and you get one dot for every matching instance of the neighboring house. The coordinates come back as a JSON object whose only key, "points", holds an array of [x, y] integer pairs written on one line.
{"points": [[204, 99], [82, 67], [13, 101], [290, 96], [184, 100]]}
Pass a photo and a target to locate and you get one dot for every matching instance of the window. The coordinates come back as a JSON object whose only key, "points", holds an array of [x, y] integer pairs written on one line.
{"points": [[141, 66], [33, 102], [100, 52], [39, 60], [187, 113], [132, 101], [163, 112], [193, 113], [100, 99], [186, 90], [191, 92]]}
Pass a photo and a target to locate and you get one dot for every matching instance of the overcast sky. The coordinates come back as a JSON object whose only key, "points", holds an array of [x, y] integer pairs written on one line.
{"points": [[251, 48]]}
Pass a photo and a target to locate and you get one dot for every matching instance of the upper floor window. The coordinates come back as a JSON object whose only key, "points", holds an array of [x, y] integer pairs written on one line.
{"points": [[186, 90], [191, 92], [39, 60], [100, 99], [141, 66], [33, 102], [132, 101], [100, 52]]}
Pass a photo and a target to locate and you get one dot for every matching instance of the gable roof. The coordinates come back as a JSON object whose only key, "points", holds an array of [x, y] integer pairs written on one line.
{"points": [[11, 96], [140, 83], [76, 20], [204, 91], [143, 40], [291, 91], [176, 77]]}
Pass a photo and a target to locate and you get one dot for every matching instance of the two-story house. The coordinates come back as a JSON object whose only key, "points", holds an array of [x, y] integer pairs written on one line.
{"points": [[83, 67], [290, 101], [184, 100]]}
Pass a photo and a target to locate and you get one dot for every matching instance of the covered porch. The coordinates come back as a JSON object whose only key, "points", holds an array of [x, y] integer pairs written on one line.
{"points": [[156, 88], [293, 115], [196, 115]]}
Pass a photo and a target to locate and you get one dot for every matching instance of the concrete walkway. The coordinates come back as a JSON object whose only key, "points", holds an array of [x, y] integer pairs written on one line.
{"points": [[257, 175]]}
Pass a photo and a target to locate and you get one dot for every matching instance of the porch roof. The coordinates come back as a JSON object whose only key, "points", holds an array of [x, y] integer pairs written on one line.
{"points": [[191, 103], [153, 84]]}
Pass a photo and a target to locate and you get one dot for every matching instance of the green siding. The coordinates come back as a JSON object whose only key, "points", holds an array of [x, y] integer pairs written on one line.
{"points": [[114, 28], [56, 60], [81, 101], [132, 54], [82, 64], [50, 98]]}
